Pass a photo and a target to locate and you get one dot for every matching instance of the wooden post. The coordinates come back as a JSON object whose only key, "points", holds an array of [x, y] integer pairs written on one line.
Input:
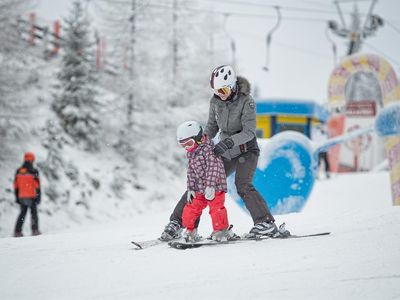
{"points": [[56, 35], [100, 50], [32, 21]]}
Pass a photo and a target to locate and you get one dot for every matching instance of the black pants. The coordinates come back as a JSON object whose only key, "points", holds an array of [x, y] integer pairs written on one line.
{"points": [[21, 217], [245, 166], [324, 157]]}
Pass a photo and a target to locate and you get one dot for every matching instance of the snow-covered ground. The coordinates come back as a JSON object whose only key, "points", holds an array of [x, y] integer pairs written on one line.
{"points": [[359, 260]]}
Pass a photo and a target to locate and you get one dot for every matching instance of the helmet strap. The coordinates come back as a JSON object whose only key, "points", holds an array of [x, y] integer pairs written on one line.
{"points": [[232, 96], [198, 138], [202, 140]]}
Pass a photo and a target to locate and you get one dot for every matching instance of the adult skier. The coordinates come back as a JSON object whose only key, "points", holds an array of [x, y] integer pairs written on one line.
{"points": [[232, 112], [27, 193]]}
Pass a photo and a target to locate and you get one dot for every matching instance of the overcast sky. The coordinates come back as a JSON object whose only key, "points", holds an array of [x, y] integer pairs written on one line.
{"points": [[301, 56]]}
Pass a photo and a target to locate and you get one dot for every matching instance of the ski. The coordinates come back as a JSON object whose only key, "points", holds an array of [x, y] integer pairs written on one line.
{"points": [[147, 244], [182, 245]]}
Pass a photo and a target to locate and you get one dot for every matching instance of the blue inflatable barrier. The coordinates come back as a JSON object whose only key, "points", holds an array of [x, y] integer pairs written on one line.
{"points": [[284, 175], [287, 165], [387, 122]]}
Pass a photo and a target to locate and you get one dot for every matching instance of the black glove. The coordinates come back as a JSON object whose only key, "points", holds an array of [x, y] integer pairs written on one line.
{"points": [[16, 197], [222, 146], [38, 198]]}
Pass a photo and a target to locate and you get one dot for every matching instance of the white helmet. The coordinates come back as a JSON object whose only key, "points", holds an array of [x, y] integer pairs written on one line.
{"points": [[189, 129], [223, 76]]}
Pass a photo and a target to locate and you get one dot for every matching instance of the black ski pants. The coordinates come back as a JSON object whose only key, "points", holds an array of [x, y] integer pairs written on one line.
{"points": [[323, 156], [22, 215], [245, 166]]}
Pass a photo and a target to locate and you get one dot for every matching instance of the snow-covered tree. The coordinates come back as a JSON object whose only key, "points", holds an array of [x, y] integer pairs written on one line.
{"points": [[165, 47], [13, 71], [9, 45], [76, 105]]}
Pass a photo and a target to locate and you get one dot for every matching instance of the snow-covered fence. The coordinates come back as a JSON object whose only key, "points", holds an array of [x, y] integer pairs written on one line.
{"points": [[51, 40], [36, 34]]}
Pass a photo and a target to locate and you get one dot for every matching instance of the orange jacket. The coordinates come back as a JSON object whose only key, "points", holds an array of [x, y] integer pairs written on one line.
{"points": [[27, 183]]}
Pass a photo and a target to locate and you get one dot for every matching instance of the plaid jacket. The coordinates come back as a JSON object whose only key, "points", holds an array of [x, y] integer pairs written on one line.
{"points": [[205, 169]]}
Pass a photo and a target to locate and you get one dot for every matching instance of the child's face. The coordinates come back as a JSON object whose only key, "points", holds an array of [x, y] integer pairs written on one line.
{"points": [[188, 144]]}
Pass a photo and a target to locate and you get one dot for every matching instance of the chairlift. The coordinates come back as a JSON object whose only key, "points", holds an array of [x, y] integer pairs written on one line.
{"points": [[269, 37], [334, 48]]}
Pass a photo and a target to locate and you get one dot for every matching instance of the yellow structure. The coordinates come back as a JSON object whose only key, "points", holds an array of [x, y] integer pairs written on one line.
{"points": [[276, 115]]}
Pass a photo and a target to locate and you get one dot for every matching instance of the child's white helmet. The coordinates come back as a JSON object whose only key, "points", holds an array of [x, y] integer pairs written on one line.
{"points": [[189, 129]]}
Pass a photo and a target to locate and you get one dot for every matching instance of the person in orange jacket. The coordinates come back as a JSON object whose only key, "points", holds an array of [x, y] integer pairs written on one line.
{"points": [[27, 193]]}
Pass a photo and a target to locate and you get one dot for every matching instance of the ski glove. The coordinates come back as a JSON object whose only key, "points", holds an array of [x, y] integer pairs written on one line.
{"points": [[222, 146], [17, 198], [38, 197], [189, 196], [209, 193]]}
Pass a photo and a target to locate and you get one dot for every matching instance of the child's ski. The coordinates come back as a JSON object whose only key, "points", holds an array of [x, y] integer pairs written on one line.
{"points": [[182, 245], [146, 244]]}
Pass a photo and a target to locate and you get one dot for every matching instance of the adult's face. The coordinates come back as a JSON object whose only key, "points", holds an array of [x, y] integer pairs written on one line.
{"points": [[223, 93]]}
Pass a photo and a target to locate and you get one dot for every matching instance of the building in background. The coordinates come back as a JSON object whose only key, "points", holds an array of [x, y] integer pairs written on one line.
{"points": [[277, 115]]}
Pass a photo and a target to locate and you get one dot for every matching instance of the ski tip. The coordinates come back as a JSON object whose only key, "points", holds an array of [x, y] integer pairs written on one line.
{"points": [[310, 235], [322, 233], [139, 247]]}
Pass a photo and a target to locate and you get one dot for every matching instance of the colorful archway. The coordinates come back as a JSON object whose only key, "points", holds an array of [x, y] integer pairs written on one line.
{"points": [[390, 90]]}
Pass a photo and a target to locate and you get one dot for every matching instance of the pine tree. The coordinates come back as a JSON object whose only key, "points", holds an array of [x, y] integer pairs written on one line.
{"points": [[10, 48], [14, 71], [76, 106]]}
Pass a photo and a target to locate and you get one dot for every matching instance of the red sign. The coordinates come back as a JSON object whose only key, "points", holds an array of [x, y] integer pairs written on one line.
{"points": [[364, 108]]}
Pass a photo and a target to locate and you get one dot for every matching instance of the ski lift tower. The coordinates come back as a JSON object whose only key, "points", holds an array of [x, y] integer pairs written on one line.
{"points": [[358, 30]]}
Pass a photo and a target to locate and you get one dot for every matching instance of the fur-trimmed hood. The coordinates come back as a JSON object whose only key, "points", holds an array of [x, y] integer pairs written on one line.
{"points": [[243, 85]]}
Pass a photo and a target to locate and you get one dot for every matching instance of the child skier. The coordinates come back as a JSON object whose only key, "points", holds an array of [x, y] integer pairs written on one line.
{"points": [[206, 184]]}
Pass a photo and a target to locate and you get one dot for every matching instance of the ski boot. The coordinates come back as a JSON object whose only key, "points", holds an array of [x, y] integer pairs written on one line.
{"points": [[18, 234], [282, 232], [224, 235], [173, 230], [191, 236], [36, 232], [263, 229]]}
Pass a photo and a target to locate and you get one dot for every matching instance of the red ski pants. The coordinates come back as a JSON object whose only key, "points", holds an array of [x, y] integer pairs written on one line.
{"points": [[219, 216]]}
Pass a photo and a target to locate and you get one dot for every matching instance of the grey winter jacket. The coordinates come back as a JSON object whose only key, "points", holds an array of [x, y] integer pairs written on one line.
{"points": [[236, 118]]}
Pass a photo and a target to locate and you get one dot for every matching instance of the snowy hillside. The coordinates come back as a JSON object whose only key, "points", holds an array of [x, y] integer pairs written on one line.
{"points": [[102, 138], [359, 260], [97, 186]]}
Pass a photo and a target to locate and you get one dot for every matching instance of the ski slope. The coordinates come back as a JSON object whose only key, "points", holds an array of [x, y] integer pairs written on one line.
{"points": [[359, 260]]}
